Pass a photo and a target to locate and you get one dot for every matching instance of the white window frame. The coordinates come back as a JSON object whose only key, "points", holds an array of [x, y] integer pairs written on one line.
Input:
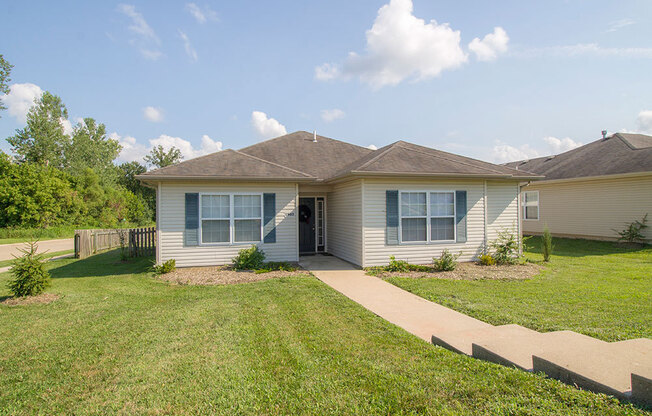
{"points": [[231, 219], [531, 204], [428, 217]]}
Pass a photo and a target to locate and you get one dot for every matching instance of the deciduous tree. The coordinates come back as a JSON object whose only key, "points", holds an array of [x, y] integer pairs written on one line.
{"points": [[160, 158]]}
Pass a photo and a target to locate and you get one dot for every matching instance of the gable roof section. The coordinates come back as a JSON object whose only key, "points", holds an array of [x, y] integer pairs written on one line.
{"points": [[619, 153]]}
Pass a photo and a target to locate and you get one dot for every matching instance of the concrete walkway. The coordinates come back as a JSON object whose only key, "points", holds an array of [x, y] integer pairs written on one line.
{"points": [[7, 251], [412, 313]]}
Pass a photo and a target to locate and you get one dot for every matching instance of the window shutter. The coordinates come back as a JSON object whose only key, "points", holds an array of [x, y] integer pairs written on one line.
{"points": [[191, 234], [460, 215], [269, 218], [391, 231]]}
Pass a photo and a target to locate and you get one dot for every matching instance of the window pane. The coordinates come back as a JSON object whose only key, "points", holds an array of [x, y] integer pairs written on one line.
{"points": [[532, 213], [442, 204], [215, 231], [246, 206], [413, 229], [215, 206], [413, 204], [531, 197], [247, 230], [442, 229]]}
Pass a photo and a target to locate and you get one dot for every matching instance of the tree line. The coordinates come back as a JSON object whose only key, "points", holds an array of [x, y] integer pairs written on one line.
{"points": [[54, 178]]}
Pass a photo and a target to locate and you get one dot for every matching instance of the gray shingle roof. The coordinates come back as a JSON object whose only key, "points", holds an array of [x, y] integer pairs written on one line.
{"points": [[296, 157], [618, 154]]}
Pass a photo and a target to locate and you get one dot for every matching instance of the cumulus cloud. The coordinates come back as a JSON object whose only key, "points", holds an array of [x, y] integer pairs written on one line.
{"points": [[332, 115], [372, 147], [201, 15], [503, 152], [145, 39], [644, 121], [491, 45], [556, 145], [67, 126], [266, 127], [134, 151], [153, 114], [20, 99], [190, 51]]}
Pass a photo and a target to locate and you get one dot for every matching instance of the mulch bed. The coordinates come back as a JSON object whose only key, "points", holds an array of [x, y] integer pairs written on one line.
{"points": [[474, 271], [42, 299], [223, 275]]}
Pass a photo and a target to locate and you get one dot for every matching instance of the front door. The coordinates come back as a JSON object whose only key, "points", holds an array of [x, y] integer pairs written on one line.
{"points": [[306, 225]]}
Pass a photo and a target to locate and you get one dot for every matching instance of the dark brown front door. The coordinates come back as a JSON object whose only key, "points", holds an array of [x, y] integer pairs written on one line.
{"points": [[306, 225]]}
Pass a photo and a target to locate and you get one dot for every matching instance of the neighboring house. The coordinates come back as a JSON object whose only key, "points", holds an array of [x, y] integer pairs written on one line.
{"points": [[302, 193], [591, 191]]}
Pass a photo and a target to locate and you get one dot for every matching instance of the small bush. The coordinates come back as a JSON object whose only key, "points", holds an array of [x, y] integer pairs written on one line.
{"points": [[546, 244], [273, 266], [633, 232], [506, 248], [29, 275], [397, 265], [487, 260], [446, 262], [251, 258], [167, 267]]}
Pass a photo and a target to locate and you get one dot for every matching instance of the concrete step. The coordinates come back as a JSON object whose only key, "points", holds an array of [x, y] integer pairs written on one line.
{"points": [[596, 365], [462, 341], [642, 389]]}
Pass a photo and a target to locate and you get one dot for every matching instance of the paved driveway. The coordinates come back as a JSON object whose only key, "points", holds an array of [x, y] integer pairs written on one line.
{"points": [[52, 246]]}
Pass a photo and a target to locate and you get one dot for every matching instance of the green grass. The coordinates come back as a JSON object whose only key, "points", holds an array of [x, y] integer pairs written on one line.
{"points": [[600, 289], [5, 263], [122, 342]]}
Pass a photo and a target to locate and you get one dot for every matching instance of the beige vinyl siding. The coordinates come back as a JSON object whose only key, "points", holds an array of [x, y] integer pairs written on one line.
{"points": [[344, 221], [591, 208], [172, 224], [502, 208]]}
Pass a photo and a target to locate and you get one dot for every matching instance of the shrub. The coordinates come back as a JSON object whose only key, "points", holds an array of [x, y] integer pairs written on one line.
{"points": [[29, 275], [487, 260], [397, 265], [446, 262], [124, 249], [167, 267], [632, 233], [273, 266], [249, 258], [546, 244], [506, 248]]}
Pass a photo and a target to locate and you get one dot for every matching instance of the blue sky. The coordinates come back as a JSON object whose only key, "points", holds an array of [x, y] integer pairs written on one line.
{"points": [[210, 75]]}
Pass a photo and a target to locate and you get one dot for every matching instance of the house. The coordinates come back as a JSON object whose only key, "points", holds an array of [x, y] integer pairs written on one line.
{"points": [[591, 191], [303, 193]]}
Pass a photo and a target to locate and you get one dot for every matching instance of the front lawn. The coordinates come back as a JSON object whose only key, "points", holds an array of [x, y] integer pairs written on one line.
{"points": [[120, 341], [600, 289]]}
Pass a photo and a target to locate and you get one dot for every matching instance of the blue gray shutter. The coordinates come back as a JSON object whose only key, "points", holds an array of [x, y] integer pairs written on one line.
{"points": [[269, 217], [460, 215], [391, 231], [191, 234]]}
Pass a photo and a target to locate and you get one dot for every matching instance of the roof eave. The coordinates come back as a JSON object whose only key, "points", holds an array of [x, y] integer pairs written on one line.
{"points": [[157, 178]]}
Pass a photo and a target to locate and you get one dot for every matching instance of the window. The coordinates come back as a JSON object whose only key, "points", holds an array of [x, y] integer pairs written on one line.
{"points": [[427, 216], [531, 205], [231, 218]]}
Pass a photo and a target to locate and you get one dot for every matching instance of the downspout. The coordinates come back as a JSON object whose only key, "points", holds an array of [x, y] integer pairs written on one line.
{"points": [[486, 216], [362, 240], [158, 223]]}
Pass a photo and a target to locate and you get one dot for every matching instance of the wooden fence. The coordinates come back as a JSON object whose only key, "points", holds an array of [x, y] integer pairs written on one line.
{"points": [[137, 241]]}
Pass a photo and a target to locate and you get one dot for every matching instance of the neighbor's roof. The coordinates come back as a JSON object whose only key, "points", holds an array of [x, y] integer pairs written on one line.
{"points": [[620, 153], [298, 157]]}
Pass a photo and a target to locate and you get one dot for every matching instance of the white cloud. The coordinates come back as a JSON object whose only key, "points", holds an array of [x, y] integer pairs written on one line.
{"points": [[644, 121], [401, 46], [20, 99], [557, 146], [332, 115], [190, 51], [153, 114], [146, 39], [587, 49], [201, 16], [266, 127], [67, 126], [372, 147], [134, 151], [619, 24], [503, 152], [491, 45]]}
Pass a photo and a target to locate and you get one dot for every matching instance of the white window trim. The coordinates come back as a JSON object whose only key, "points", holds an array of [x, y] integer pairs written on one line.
{"points": [[231, 219], [525, 205], [427, 217]]}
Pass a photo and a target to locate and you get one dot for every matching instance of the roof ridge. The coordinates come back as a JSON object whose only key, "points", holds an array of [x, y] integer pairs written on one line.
{"points": [[189, 160], [272, 163], [379, 155], [627, 143]]}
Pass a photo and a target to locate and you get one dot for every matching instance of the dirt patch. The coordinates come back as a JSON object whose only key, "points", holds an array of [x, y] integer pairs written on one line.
{"points": [[222, 275], [474, 271], [42, 299]]}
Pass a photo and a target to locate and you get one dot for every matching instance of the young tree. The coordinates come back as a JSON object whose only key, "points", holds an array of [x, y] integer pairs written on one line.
{"points": [[5, 71], [90, 148], [160, 158], [42, 141]]}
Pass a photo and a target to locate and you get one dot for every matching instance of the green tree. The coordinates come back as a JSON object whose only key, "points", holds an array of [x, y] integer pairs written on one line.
{"points": [[160, 158], [90, 148], [42, 141], [127, 178], [5, 72]]}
